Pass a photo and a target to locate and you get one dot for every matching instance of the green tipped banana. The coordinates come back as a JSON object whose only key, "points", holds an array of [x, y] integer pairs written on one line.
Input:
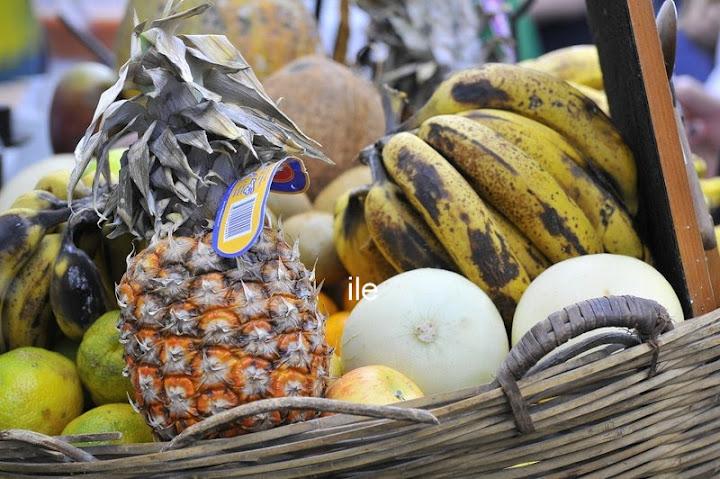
{"points": [[546, 99], [77, 292], [523, 192], [399, 232], [458, 218], [355, 248], [21, 231], [559, 158], [25, 313]]}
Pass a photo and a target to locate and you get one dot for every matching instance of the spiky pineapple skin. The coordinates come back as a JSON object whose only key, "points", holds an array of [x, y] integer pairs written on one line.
{"points": [[203, 334]]}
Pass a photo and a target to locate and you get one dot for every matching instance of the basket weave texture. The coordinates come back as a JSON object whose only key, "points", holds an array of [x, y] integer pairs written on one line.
{"points": [[641, 402]]}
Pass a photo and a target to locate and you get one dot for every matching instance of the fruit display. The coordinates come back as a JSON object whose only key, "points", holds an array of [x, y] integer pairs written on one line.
{"points": [[334, 106], [505, 171], [434, 326], [200, 252], [203, 333]]}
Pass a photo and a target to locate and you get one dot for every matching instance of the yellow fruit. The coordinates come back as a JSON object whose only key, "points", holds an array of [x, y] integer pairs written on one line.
{"points": [[374, 385], [111, 418], [326, 305], [458, 217], [576, 63], [285, 205], [100, 361], [546, 99], [507, 178], [39, 390], [349, 179], [334, 329]]}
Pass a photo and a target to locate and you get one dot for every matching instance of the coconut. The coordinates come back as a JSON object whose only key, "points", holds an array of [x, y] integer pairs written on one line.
{"points": [[332, 105]]}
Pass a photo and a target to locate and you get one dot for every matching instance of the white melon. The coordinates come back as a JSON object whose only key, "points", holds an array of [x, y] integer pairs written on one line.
{"points": [[587, 277], [432, 325]]}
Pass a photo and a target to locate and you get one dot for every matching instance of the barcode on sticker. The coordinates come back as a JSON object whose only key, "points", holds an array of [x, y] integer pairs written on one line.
{"points": [[239, 220]]}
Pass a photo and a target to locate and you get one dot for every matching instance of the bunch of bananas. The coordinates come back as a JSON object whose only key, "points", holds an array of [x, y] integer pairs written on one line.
{"points": [[504, 171], [53, 267]]}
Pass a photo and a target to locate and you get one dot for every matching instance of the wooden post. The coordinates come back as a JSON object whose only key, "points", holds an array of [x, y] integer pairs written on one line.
{"points": [[641, 105]]}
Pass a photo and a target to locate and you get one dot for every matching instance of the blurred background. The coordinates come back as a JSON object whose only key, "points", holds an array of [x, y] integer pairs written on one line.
{"points": [[45, 41]]}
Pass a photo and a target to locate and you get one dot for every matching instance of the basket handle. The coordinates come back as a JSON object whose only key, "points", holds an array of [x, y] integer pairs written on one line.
{"points": [[645, 316]]}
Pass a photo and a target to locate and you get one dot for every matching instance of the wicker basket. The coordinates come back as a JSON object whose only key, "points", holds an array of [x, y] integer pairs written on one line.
{"points": [[638, 405]]}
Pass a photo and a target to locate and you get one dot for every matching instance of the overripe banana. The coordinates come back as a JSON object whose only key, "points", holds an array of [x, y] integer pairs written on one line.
{"points": [[549, 100], [21, 231], [355, 248], [38, 200], [554, 154], [56, 182], [24, 315], [576, 63], [598, 96], [527, 254], [514, 184], [399, 232], [459, 219], [77, 294]]}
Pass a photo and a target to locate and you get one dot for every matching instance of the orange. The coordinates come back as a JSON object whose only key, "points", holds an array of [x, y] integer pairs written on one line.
{"points": [[326, 305], [334, 327]]}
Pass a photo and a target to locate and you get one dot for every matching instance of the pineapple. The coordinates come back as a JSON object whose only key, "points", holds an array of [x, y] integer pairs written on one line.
{"points": [[202, 333]]}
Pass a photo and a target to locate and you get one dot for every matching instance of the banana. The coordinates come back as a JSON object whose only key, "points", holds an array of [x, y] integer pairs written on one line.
{"points": [[458, 218], [399, 232], [597, 96], [25, 318], [77, 293], [21, 230], [577, 63], [700, 165], [711, 189], [355, 248], [56, 182], [527, 254], [38, 200], [554, 154], [544, 98], [518, 187]]}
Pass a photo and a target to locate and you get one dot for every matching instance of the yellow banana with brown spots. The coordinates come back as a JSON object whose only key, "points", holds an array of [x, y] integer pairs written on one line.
{"points": [[559, 158], [550, 101], [576, 63], [529, 256], [357, 252], [514, 184], [459, 218], [399, 232]]}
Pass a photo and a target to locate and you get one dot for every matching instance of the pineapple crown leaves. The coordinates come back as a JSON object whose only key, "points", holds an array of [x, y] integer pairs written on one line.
{"points": [[198, 119]]}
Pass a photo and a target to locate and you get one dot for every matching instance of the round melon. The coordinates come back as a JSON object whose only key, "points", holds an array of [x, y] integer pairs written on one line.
{"points": [[332, 105], [270, 33], [592, 276], [434, 326]]}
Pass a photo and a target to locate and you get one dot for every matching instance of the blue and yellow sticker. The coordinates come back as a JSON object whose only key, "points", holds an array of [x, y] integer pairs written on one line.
{"points": [[241, 214]]}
